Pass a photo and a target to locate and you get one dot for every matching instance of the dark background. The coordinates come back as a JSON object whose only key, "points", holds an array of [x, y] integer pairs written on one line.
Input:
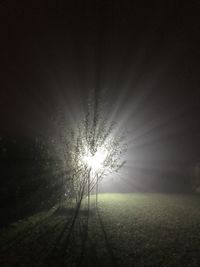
{"points": [[146, 54]]}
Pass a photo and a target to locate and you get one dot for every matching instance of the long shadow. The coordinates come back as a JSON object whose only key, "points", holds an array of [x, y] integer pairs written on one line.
{"points": [[83, 229], [79, 232], [82, 234], [83, 256], [93, 248], [65, 241], [108, 245], [56, 254], [68, 212], [62, 248], [39, 231]]}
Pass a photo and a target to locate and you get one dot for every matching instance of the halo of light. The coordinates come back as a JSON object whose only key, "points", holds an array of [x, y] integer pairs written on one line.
{"points": [[95, 162]]}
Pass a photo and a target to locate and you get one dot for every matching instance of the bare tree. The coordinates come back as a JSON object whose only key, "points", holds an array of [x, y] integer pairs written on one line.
{"points": [[91, 150]]}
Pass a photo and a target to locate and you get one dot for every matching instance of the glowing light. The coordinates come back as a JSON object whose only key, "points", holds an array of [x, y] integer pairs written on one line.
{"points": [[95, 162]]}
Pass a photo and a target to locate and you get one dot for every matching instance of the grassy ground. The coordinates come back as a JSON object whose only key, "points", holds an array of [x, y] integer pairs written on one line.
{"points": [[128, 230]]}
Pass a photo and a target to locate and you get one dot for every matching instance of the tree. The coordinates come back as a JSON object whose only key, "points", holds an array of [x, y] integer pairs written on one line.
{"points": [[91, 149]]}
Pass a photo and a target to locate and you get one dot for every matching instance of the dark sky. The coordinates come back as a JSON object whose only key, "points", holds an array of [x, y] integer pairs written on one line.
{"points": [[146, 54]]}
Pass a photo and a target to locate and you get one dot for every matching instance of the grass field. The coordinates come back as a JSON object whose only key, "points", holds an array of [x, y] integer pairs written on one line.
{"points": [[128, 230]]}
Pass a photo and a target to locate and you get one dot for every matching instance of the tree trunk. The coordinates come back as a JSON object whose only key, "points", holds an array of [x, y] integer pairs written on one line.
{"points": [[97, 191], [89, 192]]}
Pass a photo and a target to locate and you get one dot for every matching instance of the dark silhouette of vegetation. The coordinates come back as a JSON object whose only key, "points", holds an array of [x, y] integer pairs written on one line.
{"points": [[30, 178]]}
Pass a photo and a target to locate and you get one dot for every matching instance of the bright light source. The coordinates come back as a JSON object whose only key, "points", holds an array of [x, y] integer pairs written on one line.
{"points": [[95, 162]]}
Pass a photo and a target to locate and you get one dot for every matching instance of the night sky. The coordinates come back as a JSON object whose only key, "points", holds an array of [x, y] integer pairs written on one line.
{"points": [[146, 55]]}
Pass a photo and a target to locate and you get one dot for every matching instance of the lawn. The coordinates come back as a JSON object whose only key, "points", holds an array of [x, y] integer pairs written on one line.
{"points": [[127, 230]]}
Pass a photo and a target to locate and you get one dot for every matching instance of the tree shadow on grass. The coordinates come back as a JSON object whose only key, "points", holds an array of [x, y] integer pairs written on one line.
{"points": [[74, 231], [87, 255], [107, 243], [33, 240], [75, 247], [55, 241]]}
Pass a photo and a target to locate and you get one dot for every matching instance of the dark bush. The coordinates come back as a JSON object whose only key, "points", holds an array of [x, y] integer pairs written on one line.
{"points": [[31, 178]]}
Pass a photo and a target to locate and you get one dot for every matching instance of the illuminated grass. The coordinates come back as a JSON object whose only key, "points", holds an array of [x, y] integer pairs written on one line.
{"points": [[128, 230]]}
